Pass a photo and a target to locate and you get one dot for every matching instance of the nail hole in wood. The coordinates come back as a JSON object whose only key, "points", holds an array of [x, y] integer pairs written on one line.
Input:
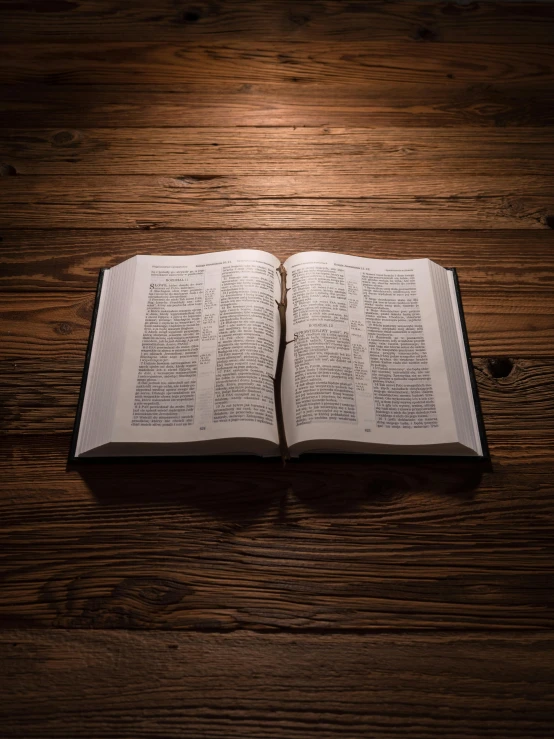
{"points": [[500, 366]]}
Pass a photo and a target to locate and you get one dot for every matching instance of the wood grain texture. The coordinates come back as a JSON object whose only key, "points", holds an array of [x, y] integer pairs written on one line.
{"points": [[243, 685], [286, 182], [160, 204], [346, 63], [276, 151], [249, 545], [77, 189], [241, 598], [291, 103], [411, 21], [217, 685]]}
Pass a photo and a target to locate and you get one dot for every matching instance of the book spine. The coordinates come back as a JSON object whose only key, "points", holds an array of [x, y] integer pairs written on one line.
{"points": [[278, 379]]}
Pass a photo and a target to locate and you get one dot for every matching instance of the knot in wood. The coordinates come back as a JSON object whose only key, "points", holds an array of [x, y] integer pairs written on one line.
{"points": [[65, 138], [64, 328], [298, 19], [500, 366]]}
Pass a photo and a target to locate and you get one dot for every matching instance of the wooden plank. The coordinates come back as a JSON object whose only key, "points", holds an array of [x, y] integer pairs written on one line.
{"points": [[251, 685], [291, 103], [342, 62], [298, 201], [41, 396], [497, 263], [513, 450], [289, 20], [521, 399], [74, 188], [51, 325], [424, 545], [265, 151], [326, 555], [418, 212]]}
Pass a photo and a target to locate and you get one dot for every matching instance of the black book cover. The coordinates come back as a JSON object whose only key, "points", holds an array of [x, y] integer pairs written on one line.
{"points": [[476, 399]]}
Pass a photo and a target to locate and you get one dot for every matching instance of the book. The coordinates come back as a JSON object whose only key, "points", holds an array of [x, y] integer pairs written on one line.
{"points": [[233, 352]]}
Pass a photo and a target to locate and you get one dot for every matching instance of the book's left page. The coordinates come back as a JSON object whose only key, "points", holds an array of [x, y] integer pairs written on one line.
{"points": [[197, 359]]}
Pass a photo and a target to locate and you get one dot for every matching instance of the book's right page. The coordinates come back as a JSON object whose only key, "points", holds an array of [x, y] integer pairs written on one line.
{"points": [[365, 370]]}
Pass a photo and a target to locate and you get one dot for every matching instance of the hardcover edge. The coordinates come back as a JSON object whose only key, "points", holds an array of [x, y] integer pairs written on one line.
{"points": [[475, 392], [76, 426]]}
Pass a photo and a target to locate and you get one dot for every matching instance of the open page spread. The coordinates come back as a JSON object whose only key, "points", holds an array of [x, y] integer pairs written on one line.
{"points": [[366, 362], [188, 351], [200, 349]]}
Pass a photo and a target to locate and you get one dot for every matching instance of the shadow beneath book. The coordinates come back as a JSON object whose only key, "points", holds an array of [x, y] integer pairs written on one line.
{"points": [[243, 490], [340, 486]]}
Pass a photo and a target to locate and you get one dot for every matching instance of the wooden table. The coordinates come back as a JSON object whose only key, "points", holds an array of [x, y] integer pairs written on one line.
{"points": [[241, 599]]}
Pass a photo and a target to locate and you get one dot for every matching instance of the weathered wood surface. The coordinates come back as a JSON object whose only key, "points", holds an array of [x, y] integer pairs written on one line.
{"points": [[363, 599], [250, 545], [250, 685], [278, 178], [173, 207], [300, 20], [425, 154], [348, 63], [290, 103]]}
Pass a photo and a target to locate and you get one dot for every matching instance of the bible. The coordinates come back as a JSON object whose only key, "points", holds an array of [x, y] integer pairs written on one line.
{"points": [[235, 353]]}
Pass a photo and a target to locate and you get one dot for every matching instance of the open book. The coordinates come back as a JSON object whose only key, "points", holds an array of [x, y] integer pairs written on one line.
{"points": [[234, 353]]}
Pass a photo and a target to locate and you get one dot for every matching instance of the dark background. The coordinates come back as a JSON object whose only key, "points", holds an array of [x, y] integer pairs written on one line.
{"points": [[242, 599]]}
